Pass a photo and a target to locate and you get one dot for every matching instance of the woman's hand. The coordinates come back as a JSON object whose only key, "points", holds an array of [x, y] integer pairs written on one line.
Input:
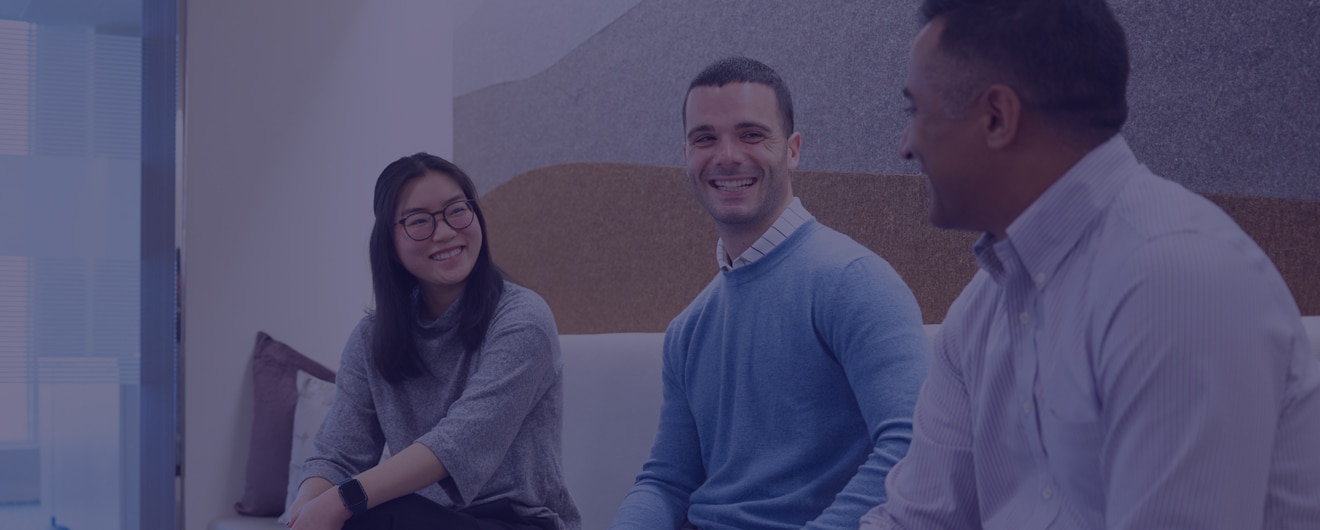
{"points": [[319, 507], [293, 510], [307, 491], [324, 512]]}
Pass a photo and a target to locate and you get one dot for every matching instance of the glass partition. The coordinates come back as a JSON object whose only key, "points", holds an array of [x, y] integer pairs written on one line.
{"points": [[87, 343]]}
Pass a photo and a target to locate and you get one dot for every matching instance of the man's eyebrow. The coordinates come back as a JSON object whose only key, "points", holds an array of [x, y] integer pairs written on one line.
{"points": [[740, 125]]}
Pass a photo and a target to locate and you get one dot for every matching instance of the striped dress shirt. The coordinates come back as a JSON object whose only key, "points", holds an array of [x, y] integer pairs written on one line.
{"points": [[1126, 358], [789, 221]]}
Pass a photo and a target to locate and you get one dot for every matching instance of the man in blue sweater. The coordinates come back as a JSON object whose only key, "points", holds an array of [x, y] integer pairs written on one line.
{"points": [[789, 382]]}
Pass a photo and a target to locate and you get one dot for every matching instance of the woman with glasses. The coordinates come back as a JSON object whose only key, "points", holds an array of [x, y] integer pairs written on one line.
{"points": [[456, 371]]}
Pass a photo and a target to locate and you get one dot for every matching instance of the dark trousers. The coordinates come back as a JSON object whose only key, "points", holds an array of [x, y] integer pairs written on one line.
{"points": [[415, 512]]}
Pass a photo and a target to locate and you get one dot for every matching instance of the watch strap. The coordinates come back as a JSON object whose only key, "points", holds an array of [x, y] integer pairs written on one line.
{"points": [[354, 497]]}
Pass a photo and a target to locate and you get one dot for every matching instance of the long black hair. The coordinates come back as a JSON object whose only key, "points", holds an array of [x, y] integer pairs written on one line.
{"points": [[394, 350]]}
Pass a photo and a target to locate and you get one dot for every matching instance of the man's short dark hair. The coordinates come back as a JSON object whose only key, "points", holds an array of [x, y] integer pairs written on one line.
{"points": [[1067, 59], [744, 70]]}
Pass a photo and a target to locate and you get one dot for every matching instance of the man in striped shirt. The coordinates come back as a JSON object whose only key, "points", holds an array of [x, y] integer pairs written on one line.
{"points": [[1126, 357], [789, 381]]}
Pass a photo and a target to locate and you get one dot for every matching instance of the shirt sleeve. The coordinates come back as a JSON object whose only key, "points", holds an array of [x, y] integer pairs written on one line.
{"points": [[518, 363], [659, 498], [1191, 376], [872, 324], [350, 440]]}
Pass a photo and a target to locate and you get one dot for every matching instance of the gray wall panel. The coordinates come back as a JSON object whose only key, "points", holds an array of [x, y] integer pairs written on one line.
{"points": [[1225, 95]]}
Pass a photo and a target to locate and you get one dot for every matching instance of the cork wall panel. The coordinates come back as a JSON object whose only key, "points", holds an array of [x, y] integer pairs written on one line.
{"points": [[1288, 230], [624, 247]]}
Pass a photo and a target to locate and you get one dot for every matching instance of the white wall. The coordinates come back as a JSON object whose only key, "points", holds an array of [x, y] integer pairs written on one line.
{"points": [[509, 40], [292, 108]]}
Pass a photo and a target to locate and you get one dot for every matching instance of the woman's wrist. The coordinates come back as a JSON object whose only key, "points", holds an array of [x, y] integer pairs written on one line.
{"points": [[314, 486], [331, 497]]}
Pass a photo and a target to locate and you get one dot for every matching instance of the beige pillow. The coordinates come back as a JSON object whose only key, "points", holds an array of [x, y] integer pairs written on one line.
{"points": [[314, 399]]}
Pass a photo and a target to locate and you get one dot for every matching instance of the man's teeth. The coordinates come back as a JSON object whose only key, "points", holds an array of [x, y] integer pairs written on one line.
{"points": [[446, 255], [733, 185]]}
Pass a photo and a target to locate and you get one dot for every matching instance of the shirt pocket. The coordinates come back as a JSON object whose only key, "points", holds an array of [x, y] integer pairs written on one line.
{"points": [[1071, 429]]}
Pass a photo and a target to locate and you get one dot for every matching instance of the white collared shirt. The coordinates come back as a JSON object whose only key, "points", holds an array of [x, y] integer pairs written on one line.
{"points": [[1125, 359], [789, 221]]}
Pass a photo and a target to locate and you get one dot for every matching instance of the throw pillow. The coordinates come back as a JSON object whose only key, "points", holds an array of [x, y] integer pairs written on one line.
{"points": [[275, 395], [314, 399]]}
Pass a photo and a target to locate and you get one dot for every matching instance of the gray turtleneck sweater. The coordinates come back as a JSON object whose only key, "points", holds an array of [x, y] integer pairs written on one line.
{"points": [[492, 417]]}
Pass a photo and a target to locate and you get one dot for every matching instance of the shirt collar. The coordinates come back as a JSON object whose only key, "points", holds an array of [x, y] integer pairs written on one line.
{"points": [[1053, 224], [792, 217]]}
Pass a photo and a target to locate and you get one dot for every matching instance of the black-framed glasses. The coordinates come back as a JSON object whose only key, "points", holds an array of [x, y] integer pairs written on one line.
{"points": [[420, 226]]}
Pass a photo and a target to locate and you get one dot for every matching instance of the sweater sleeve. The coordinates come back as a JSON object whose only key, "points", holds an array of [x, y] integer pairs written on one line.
{"points": [[872, 323], [659, 498], [517, 365], [935, 485], [350, 439]]}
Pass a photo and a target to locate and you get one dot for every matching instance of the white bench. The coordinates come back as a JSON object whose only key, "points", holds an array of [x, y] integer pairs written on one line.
{"points": [[612, 400]]}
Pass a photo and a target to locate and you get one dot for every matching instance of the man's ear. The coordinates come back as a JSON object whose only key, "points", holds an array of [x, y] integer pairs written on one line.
{"points": [[794, 148], [1002, 116]]}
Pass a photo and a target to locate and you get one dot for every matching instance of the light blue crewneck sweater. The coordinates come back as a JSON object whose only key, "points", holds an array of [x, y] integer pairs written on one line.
{"points": [[789, 386]]}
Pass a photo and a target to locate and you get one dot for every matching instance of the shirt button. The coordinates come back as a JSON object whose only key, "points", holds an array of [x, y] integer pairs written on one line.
{"points": [[1026, 407], [1040, 279], [1047, 493], [1025, 317]]}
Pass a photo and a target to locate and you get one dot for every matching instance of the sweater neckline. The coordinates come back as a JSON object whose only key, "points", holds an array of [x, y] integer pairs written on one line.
{"points": [[776, 255], [445, 322]]}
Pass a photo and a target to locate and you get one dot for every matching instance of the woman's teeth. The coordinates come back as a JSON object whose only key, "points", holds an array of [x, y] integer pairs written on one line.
{"points": [[446, 255]]}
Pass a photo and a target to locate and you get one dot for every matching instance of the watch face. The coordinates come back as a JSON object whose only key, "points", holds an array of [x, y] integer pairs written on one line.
{"points": [[355, 499]]}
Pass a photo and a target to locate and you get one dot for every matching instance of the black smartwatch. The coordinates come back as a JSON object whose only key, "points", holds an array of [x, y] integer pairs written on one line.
{"points": [[354, 497]]}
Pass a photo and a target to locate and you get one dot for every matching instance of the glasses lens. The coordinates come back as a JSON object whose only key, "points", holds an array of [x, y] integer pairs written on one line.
{"points": [[419, 226], [459, 215]]}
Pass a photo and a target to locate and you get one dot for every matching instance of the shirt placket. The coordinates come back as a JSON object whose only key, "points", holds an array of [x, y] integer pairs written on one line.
{"points": [[1021, 308]]}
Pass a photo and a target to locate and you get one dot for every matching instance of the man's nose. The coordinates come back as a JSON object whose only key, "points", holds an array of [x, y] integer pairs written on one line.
{"points": [[726, 153]]}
